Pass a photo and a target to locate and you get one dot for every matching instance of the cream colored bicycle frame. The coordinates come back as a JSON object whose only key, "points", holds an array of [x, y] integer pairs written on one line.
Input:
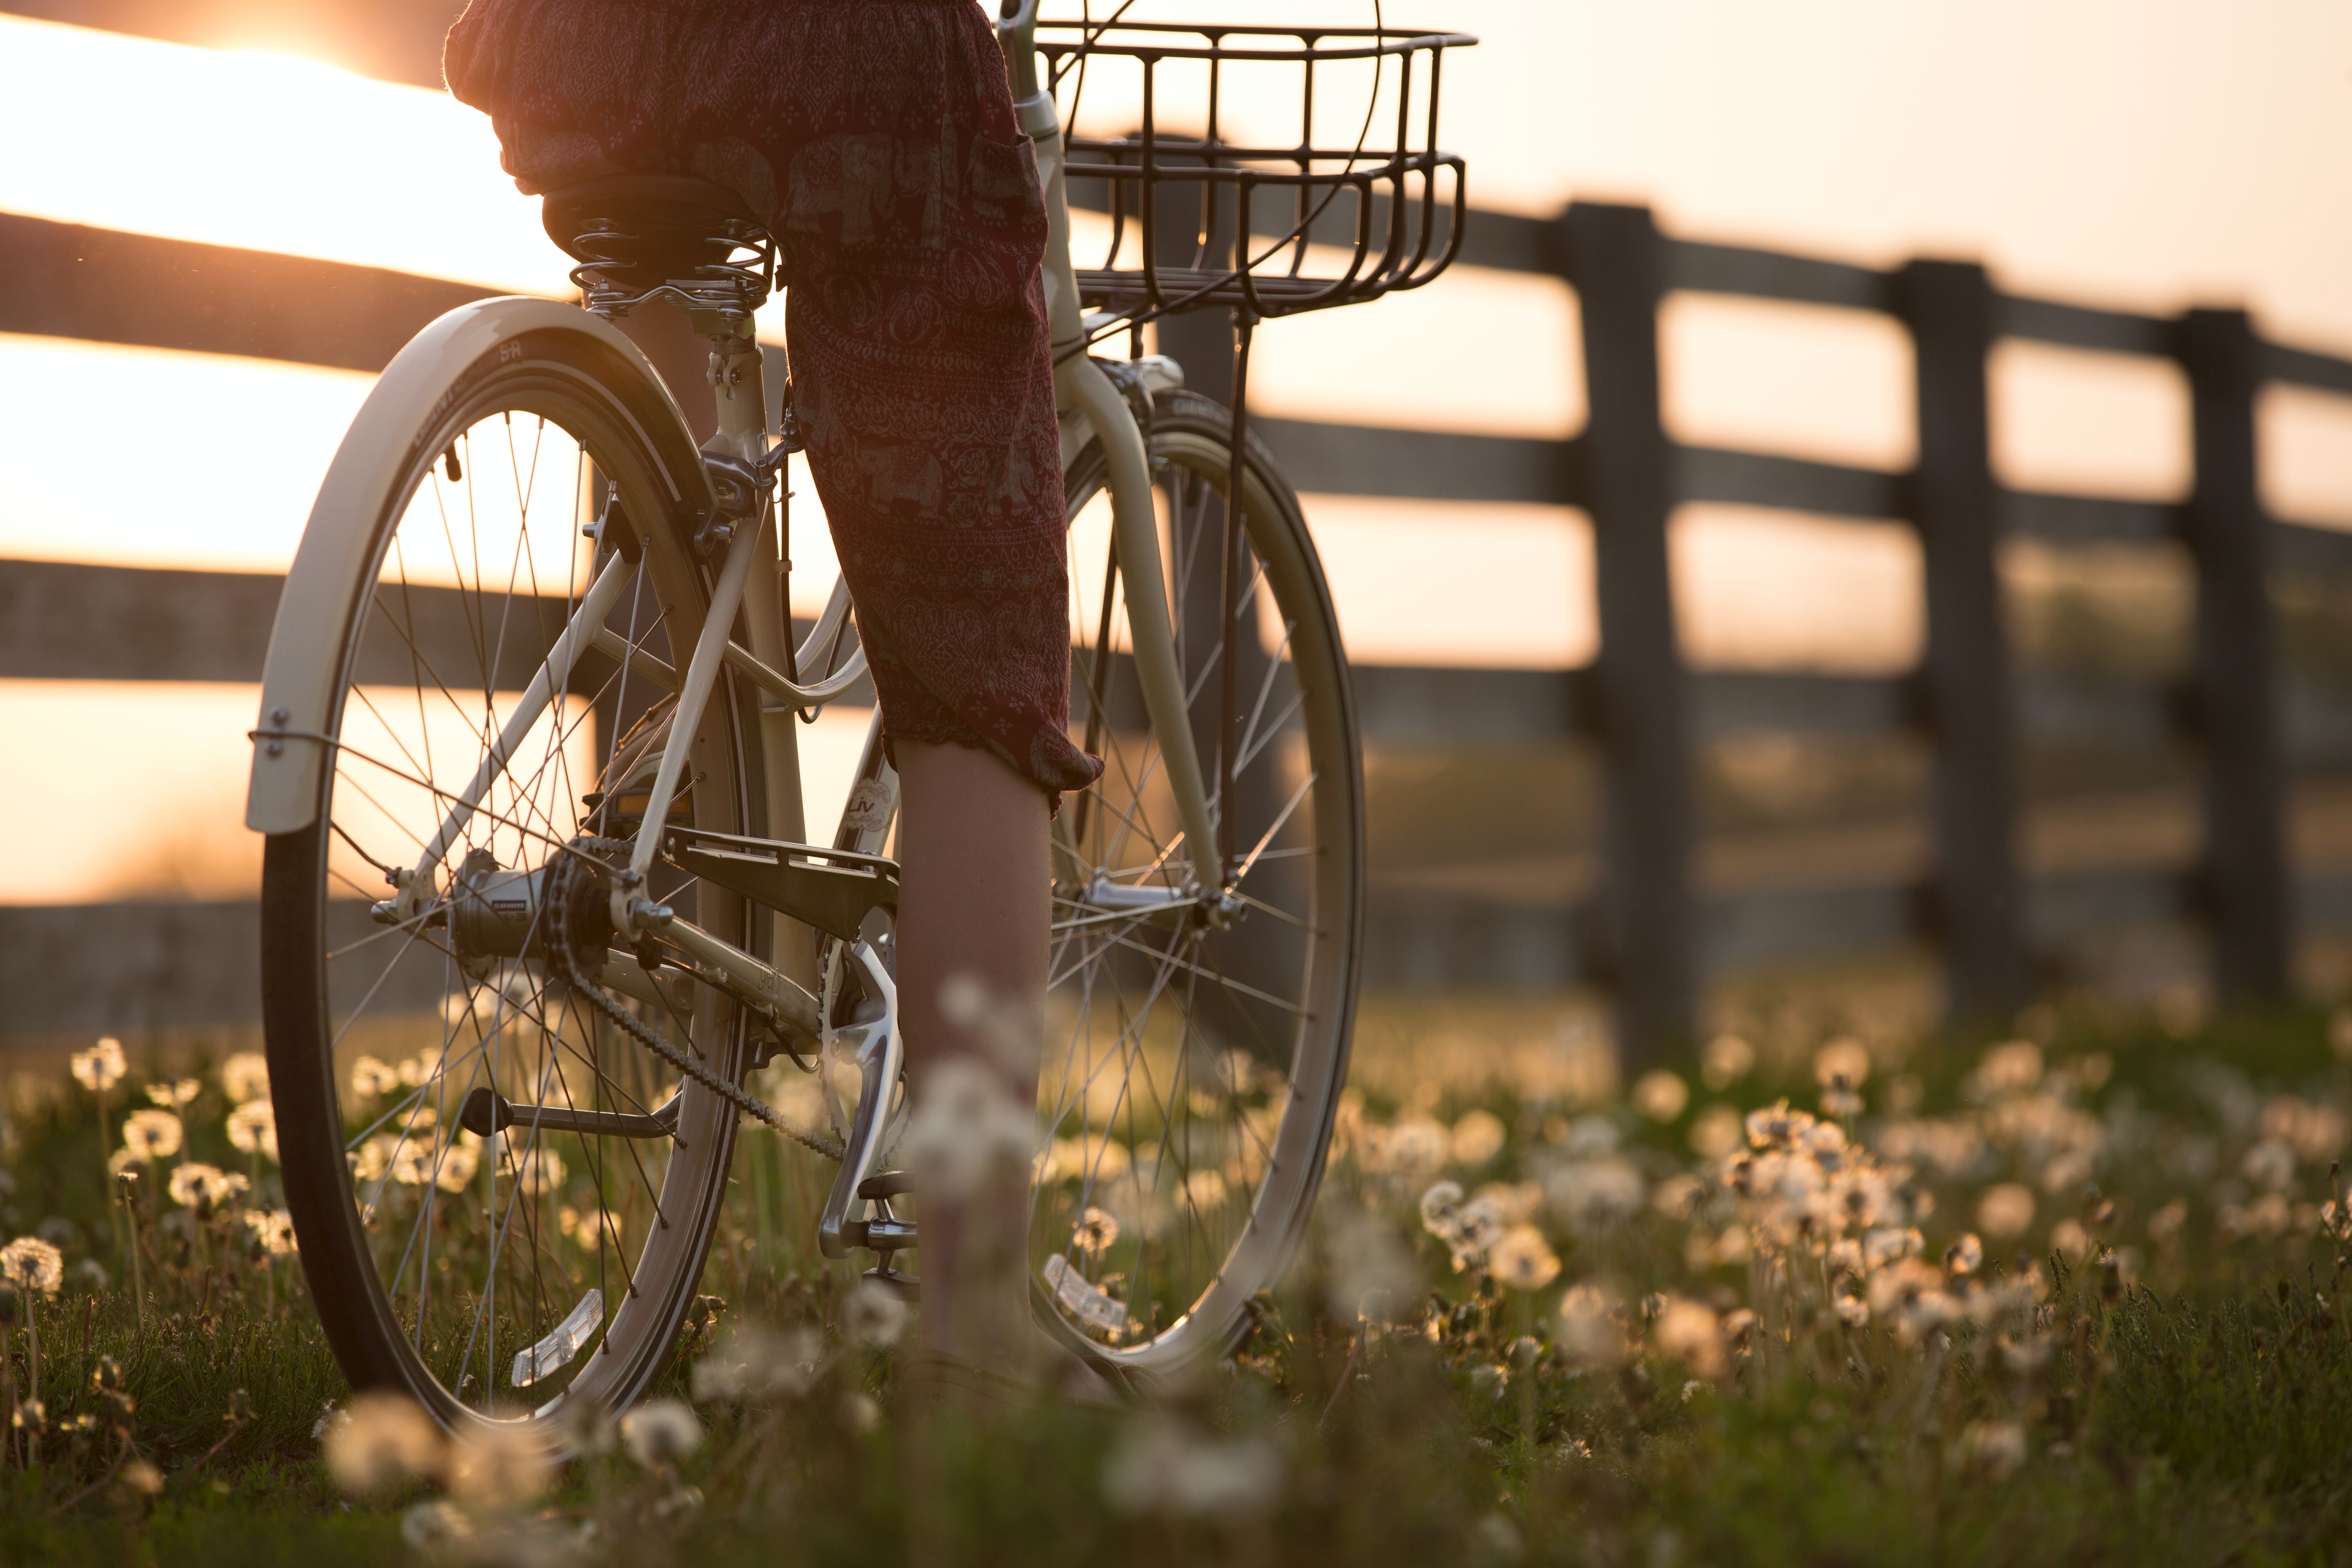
{"points": [[299, 695]]}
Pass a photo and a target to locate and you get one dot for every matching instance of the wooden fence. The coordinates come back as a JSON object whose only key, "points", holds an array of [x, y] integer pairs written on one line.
{"points": [[1647, 936]]}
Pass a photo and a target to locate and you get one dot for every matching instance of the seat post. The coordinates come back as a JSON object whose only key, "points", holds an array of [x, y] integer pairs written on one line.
{"points": [[737, 376]]}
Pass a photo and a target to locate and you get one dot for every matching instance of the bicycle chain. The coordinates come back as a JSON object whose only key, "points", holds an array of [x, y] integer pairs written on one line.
{"points": [[559, 933]]}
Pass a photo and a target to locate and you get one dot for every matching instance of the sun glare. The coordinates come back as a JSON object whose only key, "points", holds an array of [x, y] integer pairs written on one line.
{"points": [[221, 478], [263, 151]]}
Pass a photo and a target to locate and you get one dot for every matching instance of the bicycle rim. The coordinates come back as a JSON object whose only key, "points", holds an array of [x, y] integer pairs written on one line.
{"points": [[1191, 1070], [510, 1276]]}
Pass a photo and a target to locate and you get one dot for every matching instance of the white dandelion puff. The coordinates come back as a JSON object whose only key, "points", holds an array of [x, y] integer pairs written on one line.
{"points": [[660, 1432], [31, 1264], [101, 1067], [253, 1129], [152, 1134], [245, 1077]]}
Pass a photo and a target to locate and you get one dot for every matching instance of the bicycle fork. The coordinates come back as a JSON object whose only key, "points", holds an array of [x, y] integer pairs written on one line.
{"points": [[1079, 383]]}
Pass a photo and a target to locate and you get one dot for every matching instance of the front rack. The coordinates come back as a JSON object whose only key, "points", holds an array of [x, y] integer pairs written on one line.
{"points": [[1201, 218]]}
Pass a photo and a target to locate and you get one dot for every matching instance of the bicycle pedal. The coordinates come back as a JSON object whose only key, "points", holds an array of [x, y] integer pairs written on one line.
{"points": [[900, 1285], [884, 1184]]}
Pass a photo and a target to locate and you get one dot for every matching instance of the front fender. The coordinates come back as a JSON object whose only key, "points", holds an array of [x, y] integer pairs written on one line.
{"points": [[356, 503]]}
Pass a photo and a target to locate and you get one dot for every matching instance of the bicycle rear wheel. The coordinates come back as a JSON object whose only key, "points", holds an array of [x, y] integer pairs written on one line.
{"points": [[1194, 1060], [497, 1272]]}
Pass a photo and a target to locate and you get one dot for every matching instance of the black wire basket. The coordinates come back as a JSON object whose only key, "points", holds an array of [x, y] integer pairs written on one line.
{"points": [[1201, 218]]}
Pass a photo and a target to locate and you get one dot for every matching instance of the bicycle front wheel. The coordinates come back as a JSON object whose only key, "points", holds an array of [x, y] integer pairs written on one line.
{"points": [[1194, 1055], [459, 1248]]}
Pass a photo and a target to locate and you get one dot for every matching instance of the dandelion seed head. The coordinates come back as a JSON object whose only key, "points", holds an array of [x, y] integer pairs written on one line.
{"points": [[1727, 1059], [1438, 1206], [32, 1265], [101, 1067], [1416, 1148], [253, 1129], [436, 1528], [1776, 1127], [1522, 1259], [659, 1433], [273, 1231], [1097, 1230], [1204, 1190], [1993, 1448], [380, 1441], [195, 1184], [1678, 1197], [2013, 1067], [1165, 1466], [2005, 1211], [1660, 1095], [152, 1134], [1845, 1058], [459, 1161], [754, 1364], [536, 1171], [1477, 1137], [371, 1078], [2270, 1164], [873, 1315], [1592, 1195], [498, 1464], [1715, 1133], [1370, 1275], [1690, 1332], [966, 1127], [1589, 1330], [244, 1078]]}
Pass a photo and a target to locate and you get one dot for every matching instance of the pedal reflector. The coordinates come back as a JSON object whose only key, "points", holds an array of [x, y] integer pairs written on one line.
{"points": [[1093, 1307], [563, 1342]]}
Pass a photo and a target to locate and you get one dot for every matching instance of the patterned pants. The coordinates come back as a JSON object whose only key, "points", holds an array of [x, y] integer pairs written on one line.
{"points": [[877, 137]]}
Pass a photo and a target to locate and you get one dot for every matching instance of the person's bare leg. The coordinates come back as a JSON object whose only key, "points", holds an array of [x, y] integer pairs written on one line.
{"points": [[974, 900]]}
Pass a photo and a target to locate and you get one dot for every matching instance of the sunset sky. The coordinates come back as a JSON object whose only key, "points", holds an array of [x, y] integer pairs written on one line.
{"points": [[2150, 153]]}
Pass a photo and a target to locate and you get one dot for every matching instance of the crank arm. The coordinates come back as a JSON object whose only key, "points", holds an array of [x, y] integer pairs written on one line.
{"points": [[487, 1111]]}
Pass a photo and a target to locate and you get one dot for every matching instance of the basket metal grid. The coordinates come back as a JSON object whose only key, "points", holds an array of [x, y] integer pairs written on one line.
{"points": [[1199, 219]]}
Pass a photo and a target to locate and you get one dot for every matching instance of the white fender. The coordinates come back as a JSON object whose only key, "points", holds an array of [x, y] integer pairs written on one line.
{"points": [[340, 542]]}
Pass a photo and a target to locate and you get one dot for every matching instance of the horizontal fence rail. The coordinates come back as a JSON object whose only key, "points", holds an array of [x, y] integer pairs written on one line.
{"points": [[1642, 928]]}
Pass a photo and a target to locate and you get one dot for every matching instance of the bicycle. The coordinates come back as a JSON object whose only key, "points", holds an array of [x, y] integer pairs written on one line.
{"points": [[528, 764]]}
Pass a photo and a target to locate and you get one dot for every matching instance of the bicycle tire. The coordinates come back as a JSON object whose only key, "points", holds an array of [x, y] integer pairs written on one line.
{"points": [[588, 400], [1302, 961]]}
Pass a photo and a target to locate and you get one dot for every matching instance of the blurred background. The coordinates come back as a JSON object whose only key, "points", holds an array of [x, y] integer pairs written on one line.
{"points": [[2145, 156]]}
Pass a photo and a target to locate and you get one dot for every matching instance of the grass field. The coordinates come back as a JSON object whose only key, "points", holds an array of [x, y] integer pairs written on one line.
{"points": [[2075, 1297]]}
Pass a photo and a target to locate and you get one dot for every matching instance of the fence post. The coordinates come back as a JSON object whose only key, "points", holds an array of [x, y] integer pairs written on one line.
{"points": [[2245, 880], [1615, 258], [1965, 676]]}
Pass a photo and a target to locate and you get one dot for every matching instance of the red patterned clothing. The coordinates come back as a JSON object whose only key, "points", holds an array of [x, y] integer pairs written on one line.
{"points": [[877, 138]]}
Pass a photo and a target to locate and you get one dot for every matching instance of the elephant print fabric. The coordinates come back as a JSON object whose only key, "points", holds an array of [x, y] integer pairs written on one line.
{"points": [[877, 140]]}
